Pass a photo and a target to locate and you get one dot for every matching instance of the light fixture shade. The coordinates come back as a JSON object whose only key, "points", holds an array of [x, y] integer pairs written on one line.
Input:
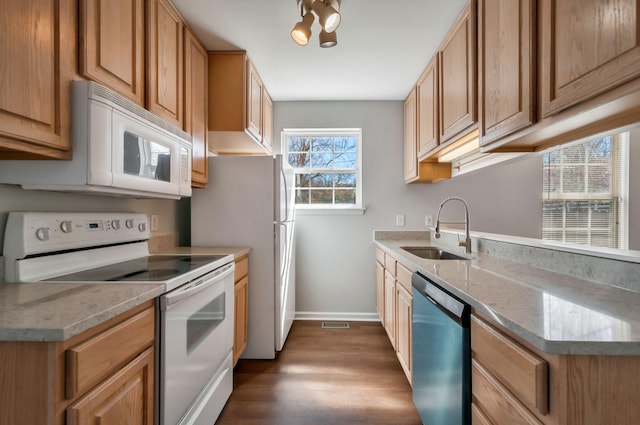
{"points": [[334, 3], [301, 32], [328, 39], [328, 17]]}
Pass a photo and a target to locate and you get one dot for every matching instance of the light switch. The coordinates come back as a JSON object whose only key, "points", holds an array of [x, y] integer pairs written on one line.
{"points": [[400, 220]]}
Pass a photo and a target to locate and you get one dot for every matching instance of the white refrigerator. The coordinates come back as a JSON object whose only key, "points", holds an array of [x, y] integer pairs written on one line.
{"points": [[250, 201]]}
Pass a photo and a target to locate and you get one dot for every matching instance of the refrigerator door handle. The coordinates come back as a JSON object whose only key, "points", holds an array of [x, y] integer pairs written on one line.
{"points": [[286, 196]]}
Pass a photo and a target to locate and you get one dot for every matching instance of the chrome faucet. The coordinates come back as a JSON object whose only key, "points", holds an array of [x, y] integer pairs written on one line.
{"points": [[467, 241]]}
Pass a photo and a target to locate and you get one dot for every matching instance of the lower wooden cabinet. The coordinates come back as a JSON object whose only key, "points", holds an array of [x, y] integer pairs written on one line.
{"points": [[241, 308], [394, 301], [125, 398], [404, 311], [104, 375], [515, 383], [390, 306]]}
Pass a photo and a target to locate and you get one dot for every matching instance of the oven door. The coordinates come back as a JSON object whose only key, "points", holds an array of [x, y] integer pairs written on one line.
{"points": [[196, 336]]}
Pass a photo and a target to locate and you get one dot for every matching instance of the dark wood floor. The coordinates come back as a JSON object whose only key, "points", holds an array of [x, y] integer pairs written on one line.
{"points": [[324, 376]]}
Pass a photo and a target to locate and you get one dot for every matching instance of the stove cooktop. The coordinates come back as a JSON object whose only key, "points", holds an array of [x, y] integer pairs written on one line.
{"points": [[154, 268]]}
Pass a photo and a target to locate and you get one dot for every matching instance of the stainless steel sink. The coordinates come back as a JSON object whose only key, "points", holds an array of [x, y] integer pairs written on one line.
{"points": [[432, 253]]}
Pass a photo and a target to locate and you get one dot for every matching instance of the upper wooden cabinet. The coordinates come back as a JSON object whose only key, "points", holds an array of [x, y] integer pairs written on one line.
{"points": [[239, 120], [254, 102], [111, 39], [588, 48], [457, 76], [267, 120], [415, 171], [38, 57], [427, 97], [506, 62], [195, 106], [165, 61], [410, 146]]}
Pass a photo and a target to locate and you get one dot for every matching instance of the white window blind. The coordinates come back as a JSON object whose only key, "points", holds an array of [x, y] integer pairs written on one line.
{"points": [[584, 193], [327, 164]]}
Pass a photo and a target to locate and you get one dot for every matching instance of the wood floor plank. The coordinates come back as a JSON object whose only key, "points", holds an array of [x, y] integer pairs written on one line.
{"points": [[324, 376]]}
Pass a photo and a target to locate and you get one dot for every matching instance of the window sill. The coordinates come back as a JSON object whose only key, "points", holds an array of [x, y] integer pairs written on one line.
{"points": [[330, 211]]}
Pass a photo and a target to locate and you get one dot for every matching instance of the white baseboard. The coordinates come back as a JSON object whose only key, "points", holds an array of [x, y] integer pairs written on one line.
{"points": [[348, 317]]}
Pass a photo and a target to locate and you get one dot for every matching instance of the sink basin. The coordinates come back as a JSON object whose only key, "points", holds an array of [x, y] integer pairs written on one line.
{"points": [[432, 253]]}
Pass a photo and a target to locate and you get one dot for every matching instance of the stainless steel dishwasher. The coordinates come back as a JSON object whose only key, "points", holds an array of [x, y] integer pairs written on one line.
{"points": [[441, 355]]}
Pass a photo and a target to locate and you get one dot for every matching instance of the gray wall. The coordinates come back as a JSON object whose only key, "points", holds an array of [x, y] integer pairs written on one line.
{"points": [[335, 254], [173, 216]]}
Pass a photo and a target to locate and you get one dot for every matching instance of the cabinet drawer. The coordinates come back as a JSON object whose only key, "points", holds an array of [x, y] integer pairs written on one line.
{"points": [[93, 360], [390, 264], [477, 417], [242, 269], [403, 276], [496, 401], [521, 371], [380, 256]]}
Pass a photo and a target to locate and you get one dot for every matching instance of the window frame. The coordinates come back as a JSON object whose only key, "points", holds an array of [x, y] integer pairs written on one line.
{"points": [[333, 208], [618, 194]]}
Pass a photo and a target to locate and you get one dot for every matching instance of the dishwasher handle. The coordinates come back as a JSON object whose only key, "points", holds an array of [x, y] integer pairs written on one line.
{"points": [[448, 303]]}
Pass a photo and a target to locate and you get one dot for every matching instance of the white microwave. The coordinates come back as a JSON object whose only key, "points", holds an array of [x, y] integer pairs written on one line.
{"points": [[119, 148]]}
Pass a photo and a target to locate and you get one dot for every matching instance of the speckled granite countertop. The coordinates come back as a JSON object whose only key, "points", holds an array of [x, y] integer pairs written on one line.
{"points": [[556, 312], [56, 311]]}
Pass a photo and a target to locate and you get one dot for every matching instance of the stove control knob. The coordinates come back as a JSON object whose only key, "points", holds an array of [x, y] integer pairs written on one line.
{"points": [[115, 224], [142, 227], [66, 226], [42, 233], [129, 223]]}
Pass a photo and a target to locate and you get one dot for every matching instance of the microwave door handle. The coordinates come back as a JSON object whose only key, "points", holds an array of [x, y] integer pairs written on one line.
{"points": [[193, 288]]}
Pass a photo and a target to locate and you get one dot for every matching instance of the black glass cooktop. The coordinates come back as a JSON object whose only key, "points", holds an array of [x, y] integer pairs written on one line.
{"points": [[154, 268]]}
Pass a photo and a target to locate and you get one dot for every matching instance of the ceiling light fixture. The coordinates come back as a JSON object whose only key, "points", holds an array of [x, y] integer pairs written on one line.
{"points": [[328, 13]]}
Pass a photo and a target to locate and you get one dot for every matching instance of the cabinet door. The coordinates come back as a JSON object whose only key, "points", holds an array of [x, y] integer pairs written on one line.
{"points": [[112, 45], [37, 64], [390, 307], [404, 317], [457, 76], [427, 89], [165, 62], [380, 291], [241, 321], [588, 48], [506, 55], [124, 398], [267, 120], [410, 144], [195, 106], [254, 102]]}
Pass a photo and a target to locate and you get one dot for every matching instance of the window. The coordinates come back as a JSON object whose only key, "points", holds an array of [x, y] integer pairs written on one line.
{"points": [[327, 164], [584, 193]]}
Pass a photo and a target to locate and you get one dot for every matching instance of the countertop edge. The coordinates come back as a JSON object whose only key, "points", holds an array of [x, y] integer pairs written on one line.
{"points": [[552, 347]]}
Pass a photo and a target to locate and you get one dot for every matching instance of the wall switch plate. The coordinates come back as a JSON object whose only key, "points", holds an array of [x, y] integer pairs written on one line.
{"points": [[399, 219], [154, 222], [428, 220]]}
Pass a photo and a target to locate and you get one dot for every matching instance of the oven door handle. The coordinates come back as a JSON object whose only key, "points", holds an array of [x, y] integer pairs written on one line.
{"points": [[190, 289]]}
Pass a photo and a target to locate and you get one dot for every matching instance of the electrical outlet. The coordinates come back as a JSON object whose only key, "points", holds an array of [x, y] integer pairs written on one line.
{"points": [[428, 220], [154, 222], [399, 219]]}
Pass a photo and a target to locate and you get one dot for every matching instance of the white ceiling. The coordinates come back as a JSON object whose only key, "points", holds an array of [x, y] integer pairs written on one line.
{"points": [[383, 45]]}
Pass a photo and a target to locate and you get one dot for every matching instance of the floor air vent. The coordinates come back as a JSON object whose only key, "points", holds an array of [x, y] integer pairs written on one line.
{"points": [[335, 325]]}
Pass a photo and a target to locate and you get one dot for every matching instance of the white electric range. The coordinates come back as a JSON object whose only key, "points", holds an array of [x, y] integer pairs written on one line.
{"points": [[194, 332]]}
